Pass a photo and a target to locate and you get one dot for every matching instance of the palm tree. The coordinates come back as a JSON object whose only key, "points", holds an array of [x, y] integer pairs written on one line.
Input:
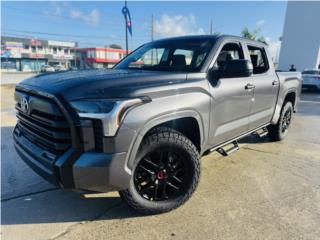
{"points": [[253, 35]]}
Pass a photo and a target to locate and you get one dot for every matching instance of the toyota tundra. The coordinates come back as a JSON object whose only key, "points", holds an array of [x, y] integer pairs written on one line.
{"points": [[141, 127]]}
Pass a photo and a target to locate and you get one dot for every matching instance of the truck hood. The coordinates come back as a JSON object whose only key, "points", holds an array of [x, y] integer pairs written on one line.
{"points": [[101, 83]]}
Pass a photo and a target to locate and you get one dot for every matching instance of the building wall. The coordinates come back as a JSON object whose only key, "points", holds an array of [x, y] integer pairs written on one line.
{"points": [[22, 54], [99, 57], [301, 36]]}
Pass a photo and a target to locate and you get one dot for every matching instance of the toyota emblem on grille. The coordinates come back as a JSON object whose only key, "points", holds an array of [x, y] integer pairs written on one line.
{"points": [[24, 105]]}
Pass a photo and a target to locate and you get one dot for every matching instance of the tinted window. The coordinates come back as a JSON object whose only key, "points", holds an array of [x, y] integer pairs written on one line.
{"points": [[187, 54], [169, 55], [230, 51], [150, 58], [259, 60]]}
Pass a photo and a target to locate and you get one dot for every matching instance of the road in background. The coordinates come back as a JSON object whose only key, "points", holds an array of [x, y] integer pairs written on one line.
{"points": [[267, 190], [14, 77]]}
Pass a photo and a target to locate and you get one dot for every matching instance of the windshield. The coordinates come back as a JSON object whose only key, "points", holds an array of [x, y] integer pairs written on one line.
{"points": [[171, 55]]}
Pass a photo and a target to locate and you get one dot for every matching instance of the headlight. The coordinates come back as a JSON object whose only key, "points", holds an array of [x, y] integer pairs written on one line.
{"points": [[93, 106], [109, 111]]}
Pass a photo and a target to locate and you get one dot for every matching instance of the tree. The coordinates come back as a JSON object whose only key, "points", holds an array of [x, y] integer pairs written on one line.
{"points": [[253, 35], [115, 46]]}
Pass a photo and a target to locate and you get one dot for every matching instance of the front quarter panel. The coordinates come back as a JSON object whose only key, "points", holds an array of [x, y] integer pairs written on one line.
{"points": [[188, 99]]}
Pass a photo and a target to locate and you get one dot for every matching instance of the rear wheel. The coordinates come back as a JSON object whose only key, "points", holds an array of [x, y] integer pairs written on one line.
{"points": [[166, 173], [279, 131]]}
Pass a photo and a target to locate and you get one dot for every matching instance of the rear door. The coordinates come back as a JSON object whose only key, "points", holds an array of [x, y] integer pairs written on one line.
{"points": [[266, 84], [231, 100]]}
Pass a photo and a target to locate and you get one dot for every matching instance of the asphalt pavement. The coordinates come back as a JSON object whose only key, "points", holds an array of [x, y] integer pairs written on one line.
{"points": [[267, 190]]}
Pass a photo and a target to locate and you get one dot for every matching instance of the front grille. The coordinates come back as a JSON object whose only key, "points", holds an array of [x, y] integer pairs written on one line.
{"points": [[44, 124]]}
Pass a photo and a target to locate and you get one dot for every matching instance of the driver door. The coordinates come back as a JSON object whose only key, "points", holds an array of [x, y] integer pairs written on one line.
{"points": [[231, 99]]}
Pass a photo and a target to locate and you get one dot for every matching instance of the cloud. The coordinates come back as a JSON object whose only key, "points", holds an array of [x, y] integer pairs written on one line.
{"points": [[66, 10], [274, 48], [92, 18], [57, 9], [177, 25], [260, 23]]}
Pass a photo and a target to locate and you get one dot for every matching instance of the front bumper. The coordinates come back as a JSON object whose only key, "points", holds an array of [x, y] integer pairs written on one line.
{"points": [[93, 171]]}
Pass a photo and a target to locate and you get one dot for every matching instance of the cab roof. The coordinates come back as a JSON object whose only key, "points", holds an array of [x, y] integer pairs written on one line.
{"points": [[214, 37]]}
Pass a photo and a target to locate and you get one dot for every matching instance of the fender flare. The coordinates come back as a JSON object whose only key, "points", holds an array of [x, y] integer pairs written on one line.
{"points": [[140, 133], [279, 105]]}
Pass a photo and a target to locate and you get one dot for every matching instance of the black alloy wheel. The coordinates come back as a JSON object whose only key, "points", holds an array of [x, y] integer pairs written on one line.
{"points": [[161, 175], [280, 130], [166, 172], [286, 120]]}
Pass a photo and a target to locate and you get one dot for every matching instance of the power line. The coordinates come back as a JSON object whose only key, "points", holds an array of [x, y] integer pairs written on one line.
{"points": [[28, 36], [63, 34], [152, 26], [69, 25], [47, 14], [17, 32]]}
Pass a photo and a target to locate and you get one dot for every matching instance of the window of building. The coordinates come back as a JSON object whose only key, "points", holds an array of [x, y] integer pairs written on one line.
{"points": [[9, 64], [259, 59], [33, 49], [54, 50], [66, 51], [40, 48], [25, 46], [91, 54], [101, 54]]}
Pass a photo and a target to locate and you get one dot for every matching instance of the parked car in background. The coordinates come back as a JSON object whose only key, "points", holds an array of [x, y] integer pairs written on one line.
{"points": [[311, 79], [141, 127], [47, 68], [73, 68], [60, 68]]}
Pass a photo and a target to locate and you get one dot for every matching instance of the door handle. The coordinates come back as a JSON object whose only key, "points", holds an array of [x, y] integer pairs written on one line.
{"points": [[249, 86], [275, 83]]}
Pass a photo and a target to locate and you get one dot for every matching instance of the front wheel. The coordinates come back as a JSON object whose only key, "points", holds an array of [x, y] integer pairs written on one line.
{"points": [[166, 172], [279, 131]]}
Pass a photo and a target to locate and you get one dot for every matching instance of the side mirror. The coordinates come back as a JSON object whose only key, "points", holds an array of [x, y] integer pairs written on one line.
{"points": [[237, 68]]}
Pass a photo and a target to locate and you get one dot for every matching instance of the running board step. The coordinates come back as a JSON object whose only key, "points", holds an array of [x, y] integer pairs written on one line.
{"points": [[227, 151], [261, 132]]}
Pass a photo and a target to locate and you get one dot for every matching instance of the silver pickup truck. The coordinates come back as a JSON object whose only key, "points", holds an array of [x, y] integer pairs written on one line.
{"points": [[142, 127]]}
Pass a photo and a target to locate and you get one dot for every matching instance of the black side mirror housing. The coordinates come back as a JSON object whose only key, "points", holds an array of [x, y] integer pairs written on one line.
{"points": [[237, 68]]}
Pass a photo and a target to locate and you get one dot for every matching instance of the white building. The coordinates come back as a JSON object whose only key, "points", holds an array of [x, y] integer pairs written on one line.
{"points": [[28, 55], [301, 36]]}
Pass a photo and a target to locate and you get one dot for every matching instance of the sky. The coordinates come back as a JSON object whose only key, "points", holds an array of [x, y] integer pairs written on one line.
{"points": [[101, 23]]}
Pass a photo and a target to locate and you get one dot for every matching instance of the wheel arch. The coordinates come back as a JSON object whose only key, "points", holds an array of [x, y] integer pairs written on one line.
{"points": [[187, 122], [292, 96]]}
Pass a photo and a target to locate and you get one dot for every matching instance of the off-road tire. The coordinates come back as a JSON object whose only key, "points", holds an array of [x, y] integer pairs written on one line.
{"points": [[275, 132], [160, 137]]}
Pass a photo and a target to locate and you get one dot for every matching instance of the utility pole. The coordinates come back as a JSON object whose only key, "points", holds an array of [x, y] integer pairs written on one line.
{"points": [[152, 30], [152, 38], [36, 53], [126, 27], [211, 27]]}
